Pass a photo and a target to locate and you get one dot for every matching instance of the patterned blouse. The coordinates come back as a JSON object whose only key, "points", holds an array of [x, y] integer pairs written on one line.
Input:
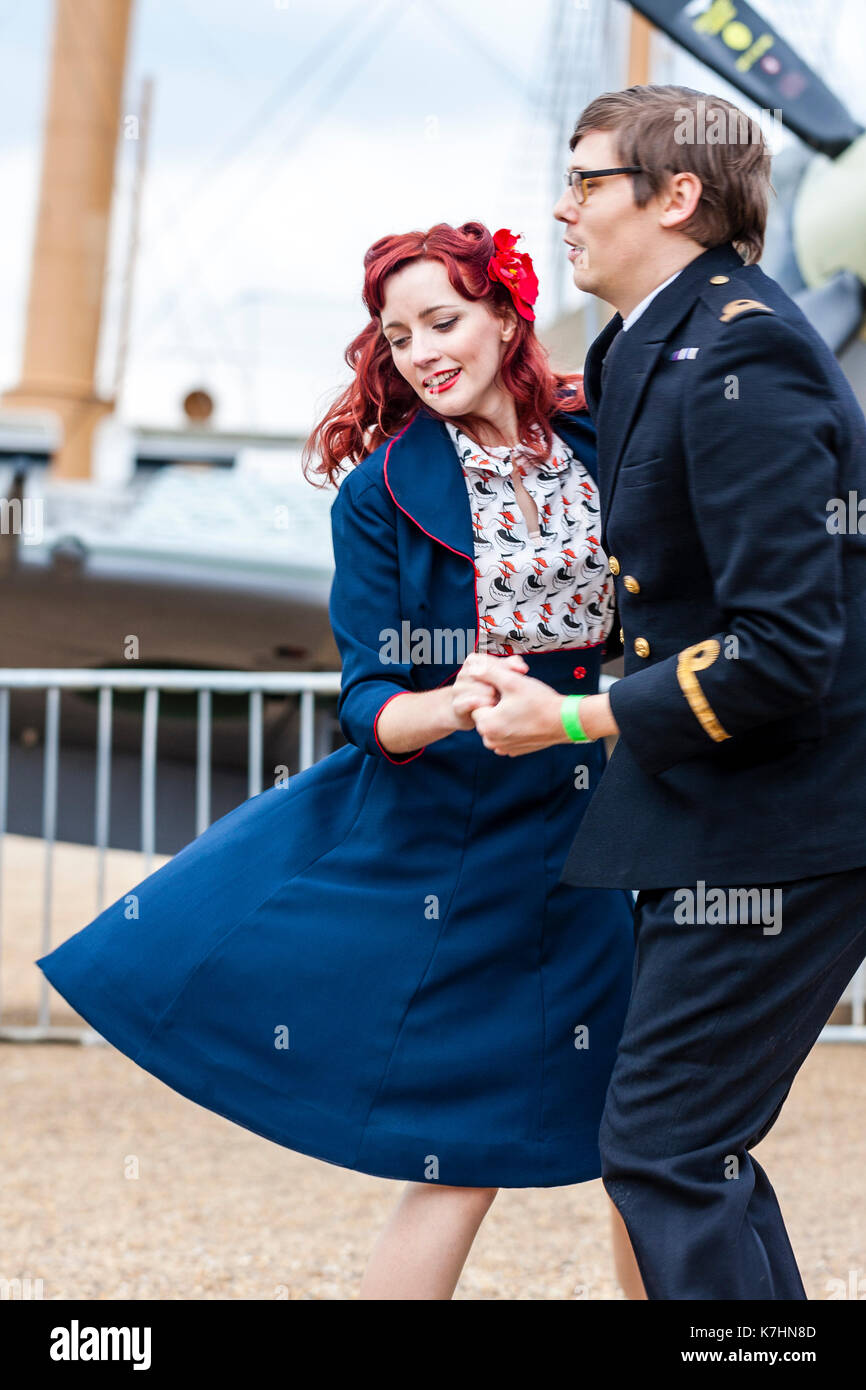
{"points": [[543, 589]]}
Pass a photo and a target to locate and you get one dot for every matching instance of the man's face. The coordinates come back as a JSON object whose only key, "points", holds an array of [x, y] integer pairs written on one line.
{"points": [[608, 234]]}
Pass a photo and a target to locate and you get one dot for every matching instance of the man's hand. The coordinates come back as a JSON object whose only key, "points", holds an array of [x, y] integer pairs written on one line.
{"points": [[470, 693], [526, 717], [523, 715]]}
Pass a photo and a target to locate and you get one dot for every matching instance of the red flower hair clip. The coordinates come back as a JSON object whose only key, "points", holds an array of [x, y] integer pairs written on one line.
{"points": [[513, 269]]}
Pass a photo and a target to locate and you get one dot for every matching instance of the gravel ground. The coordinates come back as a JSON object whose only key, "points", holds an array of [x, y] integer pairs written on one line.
{"points": [[116, 1187]]}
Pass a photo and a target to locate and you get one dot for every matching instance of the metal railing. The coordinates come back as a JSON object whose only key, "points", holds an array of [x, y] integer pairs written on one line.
{"points": [[306, 684]]}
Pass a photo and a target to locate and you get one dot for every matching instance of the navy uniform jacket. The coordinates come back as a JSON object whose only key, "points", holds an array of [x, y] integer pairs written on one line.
{"points": [[402, 529], [742, 712]]}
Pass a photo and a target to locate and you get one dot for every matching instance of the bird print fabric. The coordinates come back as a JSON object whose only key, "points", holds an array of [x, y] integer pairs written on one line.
{"points": [[544, 590]]}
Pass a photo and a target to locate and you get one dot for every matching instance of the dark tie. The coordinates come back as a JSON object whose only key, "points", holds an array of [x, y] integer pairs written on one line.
{"points": [[610, 358]]}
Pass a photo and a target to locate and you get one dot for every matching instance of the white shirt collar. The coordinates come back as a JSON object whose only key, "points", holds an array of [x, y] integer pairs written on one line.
{"points": [[639, 308], [497, 458]]}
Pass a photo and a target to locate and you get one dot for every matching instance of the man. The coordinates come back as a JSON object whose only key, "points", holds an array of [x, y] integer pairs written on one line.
{"points": [[735, 798]]}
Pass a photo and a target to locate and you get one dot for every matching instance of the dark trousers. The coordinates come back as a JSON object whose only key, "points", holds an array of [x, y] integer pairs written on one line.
{"points": [[722, 1016]]}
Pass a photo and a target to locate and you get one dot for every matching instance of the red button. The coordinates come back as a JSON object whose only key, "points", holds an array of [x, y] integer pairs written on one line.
{"points": [[579, 672]]}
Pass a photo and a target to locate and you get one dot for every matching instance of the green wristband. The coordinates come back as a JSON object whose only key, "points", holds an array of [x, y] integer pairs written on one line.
{"points": [[571, 720]]}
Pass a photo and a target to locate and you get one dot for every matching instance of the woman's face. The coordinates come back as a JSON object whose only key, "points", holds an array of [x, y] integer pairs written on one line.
{"points": [[448, 348]]}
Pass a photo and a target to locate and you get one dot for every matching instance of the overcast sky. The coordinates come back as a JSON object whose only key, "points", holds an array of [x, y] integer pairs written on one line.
{"points": [[290, 134]]}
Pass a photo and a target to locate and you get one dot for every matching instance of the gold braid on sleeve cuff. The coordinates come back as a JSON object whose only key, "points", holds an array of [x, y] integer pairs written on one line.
{"points": [[690, 660]]}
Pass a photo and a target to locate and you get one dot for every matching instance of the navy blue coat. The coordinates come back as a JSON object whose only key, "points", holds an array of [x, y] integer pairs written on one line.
{"points": [[742, 748], [377, 964]]}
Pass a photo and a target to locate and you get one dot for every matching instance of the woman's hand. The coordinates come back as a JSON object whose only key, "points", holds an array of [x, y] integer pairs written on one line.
{"points": [[415, 718], [469, 693]]}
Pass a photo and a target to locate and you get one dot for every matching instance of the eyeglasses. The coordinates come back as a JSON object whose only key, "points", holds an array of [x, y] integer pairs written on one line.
{"points": [[577, 178]]}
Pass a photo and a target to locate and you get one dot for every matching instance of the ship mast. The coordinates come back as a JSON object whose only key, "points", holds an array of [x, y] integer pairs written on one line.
{"points": [[640, 38], [64, 307]]}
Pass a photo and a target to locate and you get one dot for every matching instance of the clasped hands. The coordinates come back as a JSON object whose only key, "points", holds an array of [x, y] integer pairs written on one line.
{"points": [[513, 712]]}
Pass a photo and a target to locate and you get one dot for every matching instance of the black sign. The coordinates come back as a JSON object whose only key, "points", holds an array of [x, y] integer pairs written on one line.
{"points": [[738, 44]]}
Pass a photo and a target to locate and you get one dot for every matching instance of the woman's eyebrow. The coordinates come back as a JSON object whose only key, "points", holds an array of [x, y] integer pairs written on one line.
{"points": [[425, 313]]}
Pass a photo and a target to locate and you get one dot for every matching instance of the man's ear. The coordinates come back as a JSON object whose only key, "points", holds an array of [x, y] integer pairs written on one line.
{"points": [[680, 198]]}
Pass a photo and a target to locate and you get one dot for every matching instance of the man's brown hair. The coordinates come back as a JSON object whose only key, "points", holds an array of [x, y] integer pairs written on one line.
{"points": [[677, 130]]}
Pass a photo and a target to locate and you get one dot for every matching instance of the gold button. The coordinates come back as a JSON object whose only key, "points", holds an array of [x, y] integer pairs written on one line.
{"points": [[719, 279], [621, 635], [631, 584], [641, 646], [613, 562]]}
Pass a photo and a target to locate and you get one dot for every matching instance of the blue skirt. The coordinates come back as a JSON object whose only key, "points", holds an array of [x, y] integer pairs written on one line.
{"points": [[378, 966]]}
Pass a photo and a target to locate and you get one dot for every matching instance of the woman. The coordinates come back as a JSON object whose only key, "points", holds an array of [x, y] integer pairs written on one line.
{"points": [[376, 964]]}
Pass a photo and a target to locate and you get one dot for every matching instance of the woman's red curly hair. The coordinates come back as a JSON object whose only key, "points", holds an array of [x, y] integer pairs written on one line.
{"points": [[379, 402]]}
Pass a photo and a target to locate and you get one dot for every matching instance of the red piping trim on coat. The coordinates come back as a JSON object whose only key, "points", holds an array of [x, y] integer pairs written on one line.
{"points": [[398, 762], [471, 560], [445, 681], [417, 523]]}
